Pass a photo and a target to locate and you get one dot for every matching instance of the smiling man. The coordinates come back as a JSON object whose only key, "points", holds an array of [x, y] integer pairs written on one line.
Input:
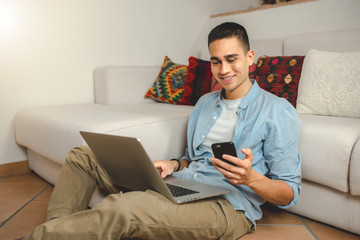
{"points": [[230, 63], [264, 130]]}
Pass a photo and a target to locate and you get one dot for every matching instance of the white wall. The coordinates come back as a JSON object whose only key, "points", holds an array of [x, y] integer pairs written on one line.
{"points": [[307, 17], [49, 48]]}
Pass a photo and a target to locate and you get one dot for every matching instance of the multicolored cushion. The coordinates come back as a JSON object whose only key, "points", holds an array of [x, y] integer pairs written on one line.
{"points": [[169, 85], [198, 81], [252, 69], [215, 86], [280, 75]]}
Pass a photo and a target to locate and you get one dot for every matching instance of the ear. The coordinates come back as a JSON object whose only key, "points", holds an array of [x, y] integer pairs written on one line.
{"points": [[251, 56]]}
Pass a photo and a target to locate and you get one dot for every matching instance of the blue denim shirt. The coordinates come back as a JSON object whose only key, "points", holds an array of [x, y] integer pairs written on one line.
{"points": [[268, 125]]}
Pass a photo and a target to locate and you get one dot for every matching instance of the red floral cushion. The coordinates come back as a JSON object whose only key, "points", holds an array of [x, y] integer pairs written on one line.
{"points": [[169, 85], [280, 75], [198, 81]]}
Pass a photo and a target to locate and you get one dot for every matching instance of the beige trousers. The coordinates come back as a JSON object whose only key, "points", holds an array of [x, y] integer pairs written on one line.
{"points": [[135, 214]]}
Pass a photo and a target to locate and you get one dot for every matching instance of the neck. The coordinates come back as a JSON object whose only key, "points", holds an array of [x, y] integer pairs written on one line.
{"points": [[240, 91]]}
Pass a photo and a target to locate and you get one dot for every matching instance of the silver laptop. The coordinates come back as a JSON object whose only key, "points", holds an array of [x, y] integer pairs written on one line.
{"points": [[129, 166]]}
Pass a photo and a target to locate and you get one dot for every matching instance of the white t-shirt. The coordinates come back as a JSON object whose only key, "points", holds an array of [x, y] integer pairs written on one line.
{"points": [[224, 128]]}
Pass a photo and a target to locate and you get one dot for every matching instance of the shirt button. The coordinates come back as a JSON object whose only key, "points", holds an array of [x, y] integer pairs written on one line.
{"points": [[195, 175], [202, 136], [214, 118]]}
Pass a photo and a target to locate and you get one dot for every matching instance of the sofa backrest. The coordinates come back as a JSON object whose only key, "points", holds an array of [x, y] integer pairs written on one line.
{"points": [[123, 84], [333, 41]]}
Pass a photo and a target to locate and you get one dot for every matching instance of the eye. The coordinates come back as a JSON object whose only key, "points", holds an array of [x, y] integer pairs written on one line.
{"points": [[230, 60], [214, 62]]}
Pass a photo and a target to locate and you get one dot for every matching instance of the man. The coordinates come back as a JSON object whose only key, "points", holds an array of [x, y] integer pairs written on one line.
{"points": [[264, 129]]}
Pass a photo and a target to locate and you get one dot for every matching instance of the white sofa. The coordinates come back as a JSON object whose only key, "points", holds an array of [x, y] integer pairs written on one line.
{"points": [[329, 145]]}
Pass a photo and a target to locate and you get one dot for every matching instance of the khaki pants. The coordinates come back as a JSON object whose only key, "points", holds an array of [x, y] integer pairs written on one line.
{"points": [[144, 215]]}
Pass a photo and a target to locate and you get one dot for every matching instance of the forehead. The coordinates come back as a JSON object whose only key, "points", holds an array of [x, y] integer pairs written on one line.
{"points": [[225, 46]]}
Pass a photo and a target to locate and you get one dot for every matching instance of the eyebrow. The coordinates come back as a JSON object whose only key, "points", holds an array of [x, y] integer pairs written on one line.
{"points": [[226, 57]]}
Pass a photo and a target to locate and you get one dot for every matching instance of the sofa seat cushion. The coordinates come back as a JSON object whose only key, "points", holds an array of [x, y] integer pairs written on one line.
{"points": [[328, 165], [53, 131]]}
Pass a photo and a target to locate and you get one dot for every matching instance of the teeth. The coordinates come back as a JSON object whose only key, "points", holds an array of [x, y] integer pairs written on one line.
{"points": [[227, 78]]}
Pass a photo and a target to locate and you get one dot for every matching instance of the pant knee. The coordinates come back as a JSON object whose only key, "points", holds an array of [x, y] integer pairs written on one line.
{"points": [[81, 155], [130, 205]]}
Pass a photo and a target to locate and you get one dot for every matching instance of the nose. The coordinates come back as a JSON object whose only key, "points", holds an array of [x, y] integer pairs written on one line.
{"points": [[225, 68]]}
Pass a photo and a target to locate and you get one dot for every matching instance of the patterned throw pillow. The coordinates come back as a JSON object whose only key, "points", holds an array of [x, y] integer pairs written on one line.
{"points": [[215, 86], [280, 75], [198, 81], [169, 85], [330, 84]]}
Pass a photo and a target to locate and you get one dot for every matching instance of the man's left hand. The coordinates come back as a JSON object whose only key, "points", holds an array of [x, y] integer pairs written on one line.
{"points": [[239, 174]]}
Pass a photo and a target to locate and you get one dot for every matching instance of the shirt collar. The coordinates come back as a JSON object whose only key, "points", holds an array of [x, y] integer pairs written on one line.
{"points": [[249, 97]]}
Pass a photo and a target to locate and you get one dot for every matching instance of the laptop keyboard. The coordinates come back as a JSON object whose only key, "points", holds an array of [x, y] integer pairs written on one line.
{"points": [[177, 191]]}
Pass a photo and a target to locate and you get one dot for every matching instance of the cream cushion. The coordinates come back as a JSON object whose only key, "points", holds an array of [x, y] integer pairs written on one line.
{"points": [[330, 166], [330, 84]]}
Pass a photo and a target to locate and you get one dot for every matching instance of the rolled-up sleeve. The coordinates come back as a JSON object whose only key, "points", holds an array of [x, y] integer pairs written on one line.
{"points": [[281, 151]]}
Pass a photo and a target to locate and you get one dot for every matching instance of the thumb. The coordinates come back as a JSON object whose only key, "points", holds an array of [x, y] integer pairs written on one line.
{"points": [[247, 152]]}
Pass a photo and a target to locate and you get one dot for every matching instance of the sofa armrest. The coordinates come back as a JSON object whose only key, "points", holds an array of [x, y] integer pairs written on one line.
{"points": [[123, 84]]}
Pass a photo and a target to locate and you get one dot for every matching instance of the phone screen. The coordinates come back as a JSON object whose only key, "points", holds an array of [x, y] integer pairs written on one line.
{"points": [[224, 148]]}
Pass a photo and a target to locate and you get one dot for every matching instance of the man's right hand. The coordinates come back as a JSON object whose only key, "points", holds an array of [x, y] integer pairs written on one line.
{"points": [[165, 167]]}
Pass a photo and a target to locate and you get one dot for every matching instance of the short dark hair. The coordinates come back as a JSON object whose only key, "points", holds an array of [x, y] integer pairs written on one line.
{"points": [[228, 30]]}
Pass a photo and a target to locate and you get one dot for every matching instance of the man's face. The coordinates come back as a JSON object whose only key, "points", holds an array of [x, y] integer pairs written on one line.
{"points": [[230, 66]]}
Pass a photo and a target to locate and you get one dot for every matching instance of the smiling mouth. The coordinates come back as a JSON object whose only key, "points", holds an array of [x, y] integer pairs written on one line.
{"points": [[227, 78]]}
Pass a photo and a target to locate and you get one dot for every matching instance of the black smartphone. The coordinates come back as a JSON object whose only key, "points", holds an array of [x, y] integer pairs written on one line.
{"points": [[224, 148]]}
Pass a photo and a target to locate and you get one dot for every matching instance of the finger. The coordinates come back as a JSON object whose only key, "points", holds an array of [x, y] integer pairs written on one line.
{"points": [[229, 171], [232, 159], [222, 164], [158, 166], [242, 163], [165, 173], [235, 181], [238, 162], [228, 174], [159, 170], [218, 165]]}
